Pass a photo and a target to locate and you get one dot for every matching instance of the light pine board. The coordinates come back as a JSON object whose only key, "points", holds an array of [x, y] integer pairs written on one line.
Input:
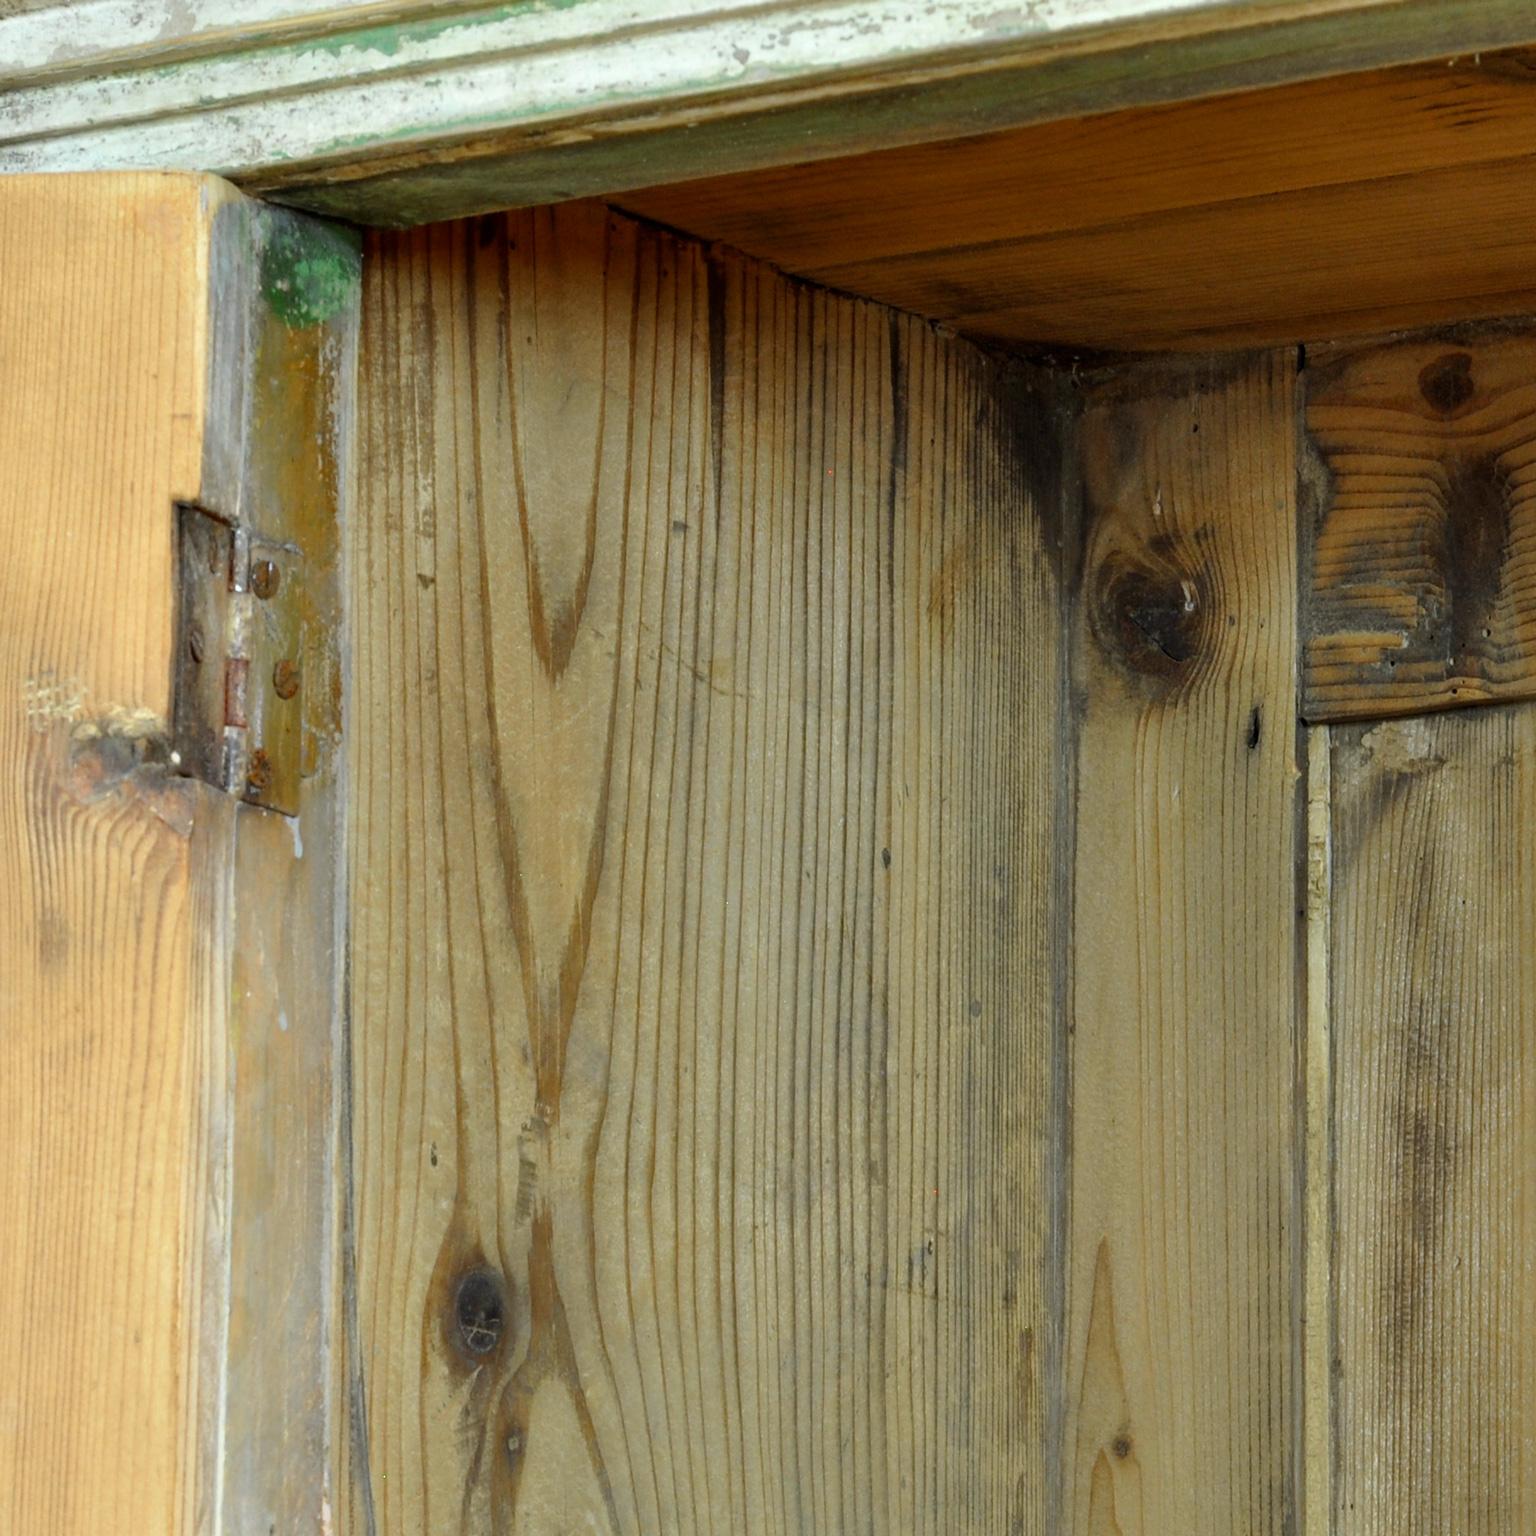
{"points": [[106, 888], [705, 736], [1179, 1340], [1433, 979], [167, 1001]]}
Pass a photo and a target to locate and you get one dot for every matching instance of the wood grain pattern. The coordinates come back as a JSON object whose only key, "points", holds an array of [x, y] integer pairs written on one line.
{"points": [[1435, 1123], [104, 884], [703, 973], [167, 1006], [1315, 1283], [1423, 578], [1174, 226], [1179, 1333], [284, 295]]}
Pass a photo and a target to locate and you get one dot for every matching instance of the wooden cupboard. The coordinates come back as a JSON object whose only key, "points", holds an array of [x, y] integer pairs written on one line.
{"points": [[901, 916]]}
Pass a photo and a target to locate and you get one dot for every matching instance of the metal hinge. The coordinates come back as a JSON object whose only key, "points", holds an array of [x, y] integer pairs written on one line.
{"points": [[238, 717]]}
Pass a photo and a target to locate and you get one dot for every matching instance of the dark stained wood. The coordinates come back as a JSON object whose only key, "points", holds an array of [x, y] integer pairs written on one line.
{"points": [[1434, 1125], [705, 951], [1423, 566], [1338, 207]]}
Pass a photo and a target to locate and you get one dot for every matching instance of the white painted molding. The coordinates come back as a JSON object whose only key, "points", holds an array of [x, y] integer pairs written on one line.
{"points": [[395, 112]]}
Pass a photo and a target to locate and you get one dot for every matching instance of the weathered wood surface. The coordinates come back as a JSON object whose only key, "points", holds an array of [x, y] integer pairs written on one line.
{"points": [[1179, 1331], [703, 974], [1174, 225], [1315, 1283], [412, 110], [285, 297], [1434, 1128], [166, 1007], [1423, 590]]}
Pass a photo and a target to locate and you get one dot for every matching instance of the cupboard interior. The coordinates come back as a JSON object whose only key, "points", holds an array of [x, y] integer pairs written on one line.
{"points": [[929, 934]]}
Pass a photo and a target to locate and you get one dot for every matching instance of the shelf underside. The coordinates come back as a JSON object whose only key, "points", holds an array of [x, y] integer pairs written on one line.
{"points": [[1338, 207]]}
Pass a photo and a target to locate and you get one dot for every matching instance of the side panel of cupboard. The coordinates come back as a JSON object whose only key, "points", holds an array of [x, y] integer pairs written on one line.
{"points": [[707, 894], [818, 988]]}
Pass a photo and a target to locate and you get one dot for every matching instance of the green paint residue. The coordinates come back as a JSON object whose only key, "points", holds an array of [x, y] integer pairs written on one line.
{"points": [[309, 269], [389, 40]]}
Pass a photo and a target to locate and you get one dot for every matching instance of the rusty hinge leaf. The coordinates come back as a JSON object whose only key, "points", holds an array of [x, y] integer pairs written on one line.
{"points": [[238, 711]]}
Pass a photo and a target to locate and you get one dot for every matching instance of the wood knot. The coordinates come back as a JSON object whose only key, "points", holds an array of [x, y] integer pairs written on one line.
{"points": [[1121, 1446], [480, 1312], [1446, 384], [1149, 613]]}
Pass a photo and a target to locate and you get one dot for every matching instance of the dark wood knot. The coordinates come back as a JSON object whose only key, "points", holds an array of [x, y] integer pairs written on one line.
{"points": [[1446, 383], [480, 1311], [1149, 614]]}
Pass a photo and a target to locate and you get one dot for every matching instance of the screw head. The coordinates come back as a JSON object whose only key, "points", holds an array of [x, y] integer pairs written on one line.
{"points": [[258, 777], [285, 678], [265, 578]]}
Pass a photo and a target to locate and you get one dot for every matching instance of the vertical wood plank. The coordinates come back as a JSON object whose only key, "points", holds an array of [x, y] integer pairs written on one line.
{"points": [[1179, 1334], [1316, 1115], [709, 695], [1435, 1123], [104, 884], [284, 294], [167, 1002]]}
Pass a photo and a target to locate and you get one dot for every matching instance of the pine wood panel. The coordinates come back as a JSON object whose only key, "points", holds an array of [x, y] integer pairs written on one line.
{"points": [[1423, 578], [707, 733], [1179, 1333], [104, 884], [1175, 226], [1435, 1123], [167, 1007]]}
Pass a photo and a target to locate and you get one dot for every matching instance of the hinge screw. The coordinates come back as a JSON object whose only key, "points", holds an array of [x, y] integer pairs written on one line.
{"points": [[285, 678], [265, 578], [258, 779]]}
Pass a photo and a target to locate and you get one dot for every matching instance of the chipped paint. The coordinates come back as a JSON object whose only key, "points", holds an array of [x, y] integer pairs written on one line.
{"points": [[310, 101], [310, 271]]}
